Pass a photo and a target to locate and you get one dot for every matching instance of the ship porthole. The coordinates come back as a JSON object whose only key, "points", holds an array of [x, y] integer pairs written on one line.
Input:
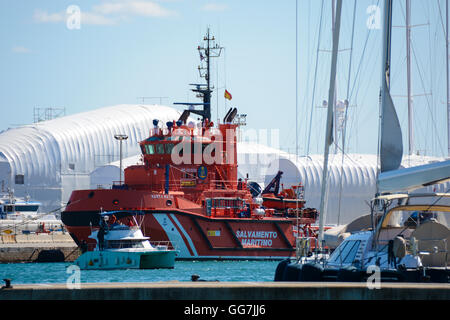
{"points": [[168, 203], [115, 202]]}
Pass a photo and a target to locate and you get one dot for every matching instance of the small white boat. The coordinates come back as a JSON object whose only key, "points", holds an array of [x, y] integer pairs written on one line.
{"points": [[121, 246], [14, 208]]}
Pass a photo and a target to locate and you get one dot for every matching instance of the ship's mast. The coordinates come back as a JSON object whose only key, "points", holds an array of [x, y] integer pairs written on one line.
{"points": [[211, 50]]}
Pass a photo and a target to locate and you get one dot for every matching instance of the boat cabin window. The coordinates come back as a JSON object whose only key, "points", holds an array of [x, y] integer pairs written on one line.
{"points": [[27, 208], [346, 252], [122, 244]]}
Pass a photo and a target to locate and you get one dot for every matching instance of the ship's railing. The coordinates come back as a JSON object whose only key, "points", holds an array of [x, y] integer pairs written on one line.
{"points": [[194, 182], [120, 244], [163, 244]]}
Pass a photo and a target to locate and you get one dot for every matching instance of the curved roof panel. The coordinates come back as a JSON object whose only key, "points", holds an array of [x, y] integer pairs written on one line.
{"points": [[38, 148], [357, 173], [49, 152]]}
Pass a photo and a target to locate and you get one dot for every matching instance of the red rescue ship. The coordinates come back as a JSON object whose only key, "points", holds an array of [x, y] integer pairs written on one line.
{"points": [[187, 191]]}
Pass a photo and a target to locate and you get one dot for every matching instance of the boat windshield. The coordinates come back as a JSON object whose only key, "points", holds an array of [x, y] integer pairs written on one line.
{"points": [[345, 253], [412, 218]]}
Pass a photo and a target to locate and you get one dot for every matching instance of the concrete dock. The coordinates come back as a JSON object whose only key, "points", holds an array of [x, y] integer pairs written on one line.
{"points": [[228, 291], [28, 247]]}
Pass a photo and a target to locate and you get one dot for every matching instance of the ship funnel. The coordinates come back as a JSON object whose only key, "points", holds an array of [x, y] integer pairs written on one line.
{"points": [[231, 114], [184, 116], [226, 116]]}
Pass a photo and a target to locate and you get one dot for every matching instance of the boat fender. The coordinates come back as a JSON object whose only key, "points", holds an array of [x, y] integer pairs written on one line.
{"points": [[349, 274], [260, 212], [439, 275], [399, 247], [311, 272], [281, 267], [393, 276], [293, 272]]}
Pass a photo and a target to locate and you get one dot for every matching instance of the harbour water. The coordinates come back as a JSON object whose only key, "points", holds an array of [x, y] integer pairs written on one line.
{"points": [[42, 273]]}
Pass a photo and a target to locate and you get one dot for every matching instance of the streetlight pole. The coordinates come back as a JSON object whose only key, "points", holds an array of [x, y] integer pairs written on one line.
{"points": [[120, 137]]}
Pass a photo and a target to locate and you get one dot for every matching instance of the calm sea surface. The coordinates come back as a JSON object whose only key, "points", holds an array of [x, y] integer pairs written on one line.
{"points": [[27, 273]]}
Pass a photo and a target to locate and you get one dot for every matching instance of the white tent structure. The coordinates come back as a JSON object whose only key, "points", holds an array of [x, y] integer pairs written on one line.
{"points": [[47, 160], [352, 183], [103, 177], [254, 159]]}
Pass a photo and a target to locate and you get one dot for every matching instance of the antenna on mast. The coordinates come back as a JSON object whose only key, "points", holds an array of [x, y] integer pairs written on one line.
{"points": [[211, 50]]}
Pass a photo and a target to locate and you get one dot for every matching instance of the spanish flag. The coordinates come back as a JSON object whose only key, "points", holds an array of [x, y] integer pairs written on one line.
{"points": [[227, 95]]}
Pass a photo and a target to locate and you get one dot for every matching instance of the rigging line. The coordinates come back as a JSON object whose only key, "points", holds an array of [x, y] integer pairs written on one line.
{"points": [[427, 99], [225, 76], [308, 61], [348, 157], [217, 91], [362, 57], [296, 78], [442, 19], [315, 79], [346, 111], [432, 72]]}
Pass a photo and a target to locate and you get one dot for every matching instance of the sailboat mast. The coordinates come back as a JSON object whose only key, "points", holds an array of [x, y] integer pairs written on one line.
{"points": [[386, 79], [408, 75], [329, 128], [448, 88]]}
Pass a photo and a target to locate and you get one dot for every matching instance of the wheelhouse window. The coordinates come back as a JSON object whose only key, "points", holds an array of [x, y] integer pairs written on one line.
{"points": [[169, 148], [160, 148], [149, 149]]}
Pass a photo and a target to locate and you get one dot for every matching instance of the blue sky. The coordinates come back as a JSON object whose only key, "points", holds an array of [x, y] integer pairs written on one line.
{"points": [[134, 48]]}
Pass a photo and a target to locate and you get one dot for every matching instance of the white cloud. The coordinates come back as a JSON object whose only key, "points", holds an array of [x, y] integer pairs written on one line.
{"points": [[90, 18], [44, 16], [214, 7], [108, 12], [20, 49], [96, 19], [133, 7]]}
